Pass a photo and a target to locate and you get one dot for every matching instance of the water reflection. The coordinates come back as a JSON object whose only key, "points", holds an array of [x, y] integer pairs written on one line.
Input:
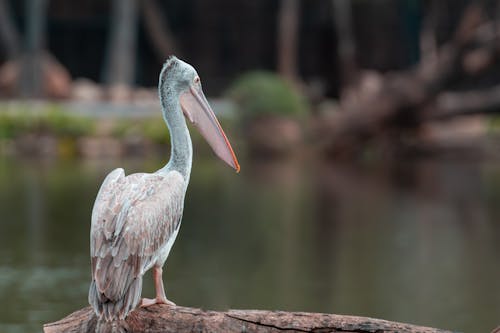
{"points": [[409, 241]]}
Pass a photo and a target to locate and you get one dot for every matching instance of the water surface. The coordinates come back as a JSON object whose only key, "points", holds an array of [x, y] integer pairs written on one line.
{"points": [[411, 241]]}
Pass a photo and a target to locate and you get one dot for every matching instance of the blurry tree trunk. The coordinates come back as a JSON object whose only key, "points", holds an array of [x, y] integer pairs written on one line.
{"points": [[121, 55], [342, 15], [288, 21], [428, 38], [9, 37], [158, 30], [35, 40]]}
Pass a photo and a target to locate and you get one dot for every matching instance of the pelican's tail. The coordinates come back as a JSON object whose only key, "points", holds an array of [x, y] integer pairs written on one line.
{"points": [[110, 309]]}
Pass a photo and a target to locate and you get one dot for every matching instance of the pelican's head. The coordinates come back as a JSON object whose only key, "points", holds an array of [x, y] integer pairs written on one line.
{"points": [[180, 80]]}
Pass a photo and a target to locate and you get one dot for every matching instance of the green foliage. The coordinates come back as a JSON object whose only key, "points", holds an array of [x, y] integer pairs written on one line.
{"points": [[52, 119], [494, 124], [153, 129], [264, 93]]}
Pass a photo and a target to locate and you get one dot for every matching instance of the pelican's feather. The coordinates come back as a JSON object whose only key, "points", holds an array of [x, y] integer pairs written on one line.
{"points": [[132, 221]]}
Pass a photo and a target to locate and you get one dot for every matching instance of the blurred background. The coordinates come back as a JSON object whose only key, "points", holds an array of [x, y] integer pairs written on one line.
{"points": [[367, 132]]}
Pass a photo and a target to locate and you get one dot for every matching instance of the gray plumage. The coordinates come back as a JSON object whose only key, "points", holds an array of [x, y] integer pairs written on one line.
{"points": [[136, 218], [134, 223]]}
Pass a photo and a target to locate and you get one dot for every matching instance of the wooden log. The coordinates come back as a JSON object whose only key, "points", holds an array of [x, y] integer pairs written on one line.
{"points": [[165, 319]]}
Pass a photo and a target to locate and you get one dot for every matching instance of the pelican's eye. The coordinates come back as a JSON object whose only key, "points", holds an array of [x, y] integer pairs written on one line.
{"points": [[196, 80]]}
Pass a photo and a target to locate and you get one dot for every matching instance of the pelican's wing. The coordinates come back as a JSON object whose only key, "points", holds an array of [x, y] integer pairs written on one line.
{"points": [[106, 190], [132, 219]]}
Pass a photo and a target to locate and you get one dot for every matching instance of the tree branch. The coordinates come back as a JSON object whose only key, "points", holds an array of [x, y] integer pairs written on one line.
{"points": [[9, 35], [157, 26], [451, 104], [395, 100], [163, 318]]}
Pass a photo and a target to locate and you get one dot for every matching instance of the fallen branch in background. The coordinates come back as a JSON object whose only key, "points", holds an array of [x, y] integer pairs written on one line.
{"points": [[163, 318], [452, 104], [385, 104]]}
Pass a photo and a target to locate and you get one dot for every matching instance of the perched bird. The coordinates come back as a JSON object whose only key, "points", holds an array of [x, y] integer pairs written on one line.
{"points": [[136, 218]]}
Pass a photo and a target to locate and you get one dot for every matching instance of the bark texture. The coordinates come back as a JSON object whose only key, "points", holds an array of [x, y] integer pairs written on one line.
{"points": [[163, 318]]}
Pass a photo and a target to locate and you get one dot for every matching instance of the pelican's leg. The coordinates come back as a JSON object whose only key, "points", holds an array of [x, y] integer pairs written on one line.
{"points": [[160, 290]]}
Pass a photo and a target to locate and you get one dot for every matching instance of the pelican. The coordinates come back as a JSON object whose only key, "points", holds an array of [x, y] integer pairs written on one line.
{"points": [[136, 218]]}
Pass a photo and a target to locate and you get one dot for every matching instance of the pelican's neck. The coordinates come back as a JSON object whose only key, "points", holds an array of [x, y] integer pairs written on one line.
{"points": [[181, 155]]}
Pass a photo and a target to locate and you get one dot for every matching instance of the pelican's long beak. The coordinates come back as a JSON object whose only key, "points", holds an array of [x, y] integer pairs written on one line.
{"points": [[196, 108]]}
